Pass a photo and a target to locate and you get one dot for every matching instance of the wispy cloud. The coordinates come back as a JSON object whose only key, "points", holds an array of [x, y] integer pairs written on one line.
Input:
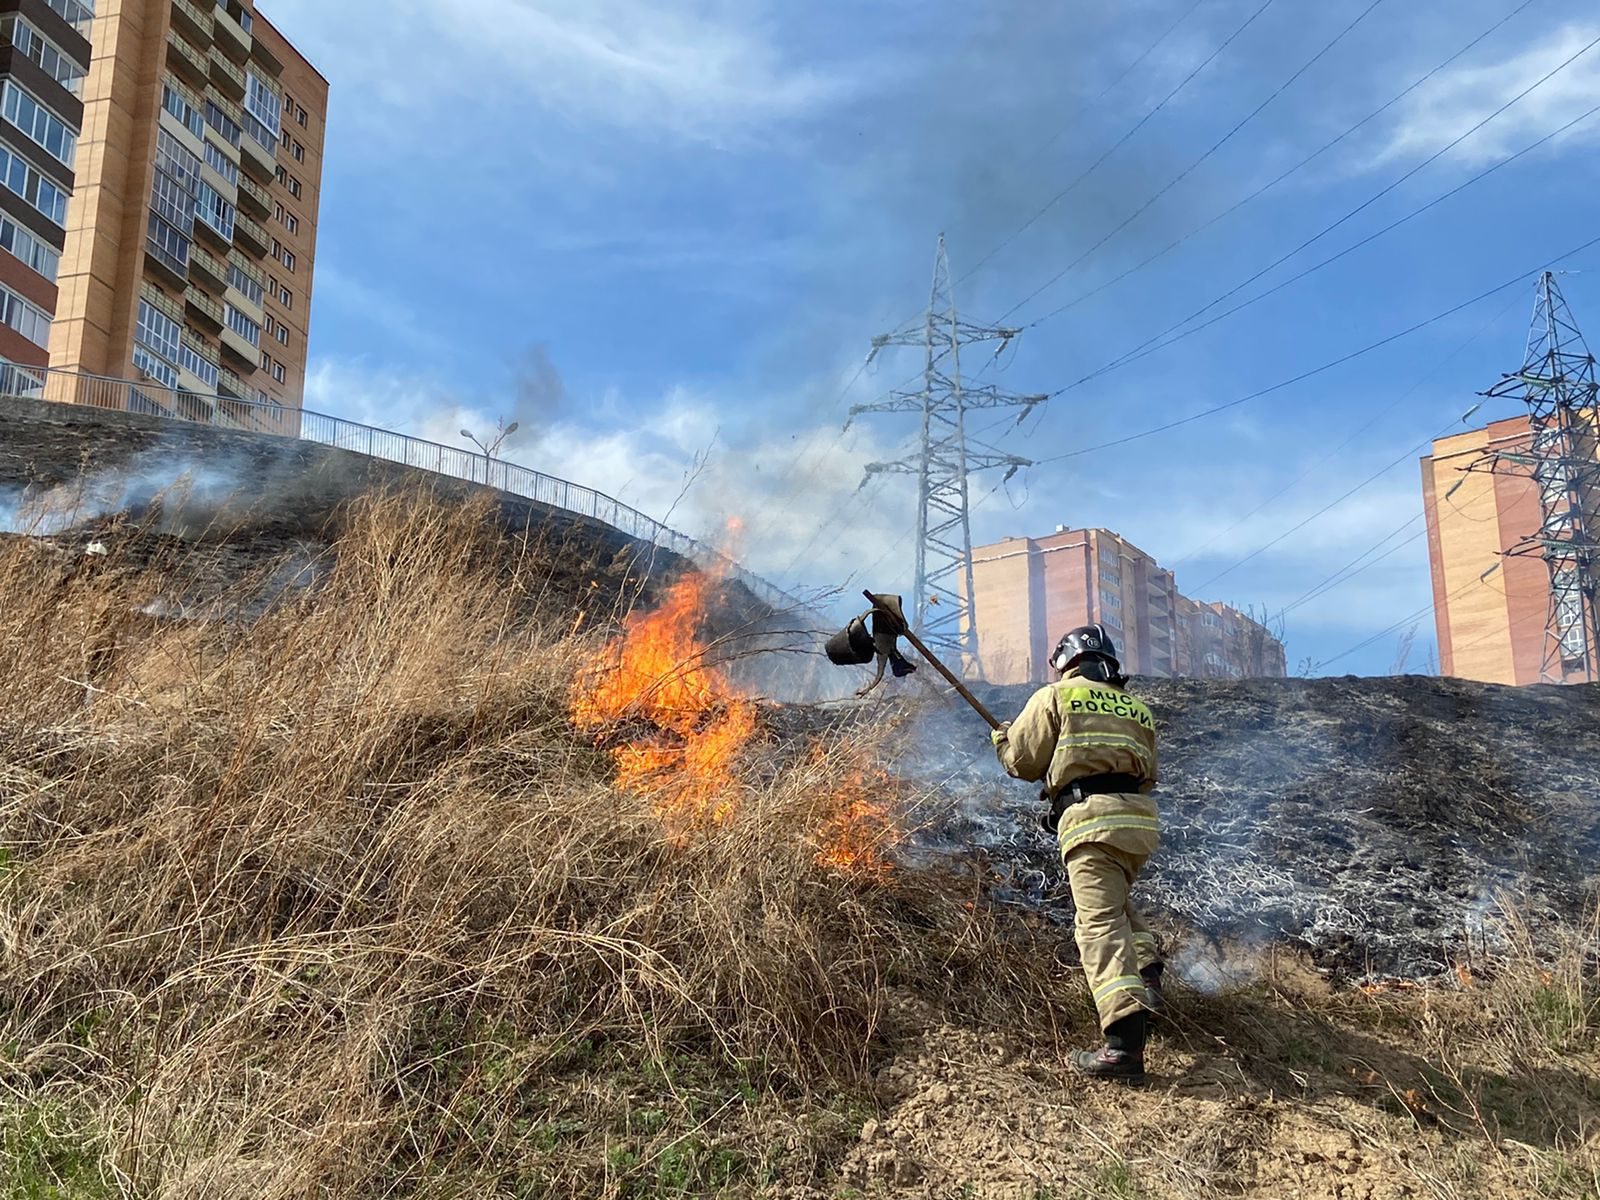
{"points": [[672, 459], [698, 71], [1455, 100]]}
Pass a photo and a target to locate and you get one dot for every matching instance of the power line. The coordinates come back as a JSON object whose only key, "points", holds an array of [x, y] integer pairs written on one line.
{"points": [[1197, 163], [1091, 106], [1355, 567], [1326, 508], [1299, 166], [1160, 340], [1156, 344], [1315, 371], [1491, 323]]}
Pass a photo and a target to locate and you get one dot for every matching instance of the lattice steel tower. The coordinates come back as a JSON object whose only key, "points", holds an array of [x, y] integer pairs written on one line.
{"points": [[943, 605], [1557, 383]]}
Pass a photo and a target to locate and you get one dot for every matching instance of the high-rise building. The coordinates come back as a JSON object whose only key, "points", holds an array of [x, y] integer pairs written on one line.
{"points": [[1029, 591], [44, 62], [189, 240], [1491, 608]]}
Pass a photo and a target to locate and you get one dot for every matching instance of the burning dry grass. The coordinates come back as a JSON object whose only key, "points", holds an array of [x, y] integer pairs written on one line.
{"points": [[341, 903], [406, 889]]}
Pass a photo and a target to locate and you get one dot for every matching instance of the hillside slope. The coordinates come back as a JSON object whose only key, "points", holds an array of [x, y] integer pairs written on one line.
{"points": [[1372, 822]]}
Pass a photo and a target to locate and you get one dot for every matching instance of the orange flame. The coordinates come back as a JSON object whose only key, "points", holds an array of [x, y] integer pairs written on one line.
{"points": [[858, 832], [656, 672]]}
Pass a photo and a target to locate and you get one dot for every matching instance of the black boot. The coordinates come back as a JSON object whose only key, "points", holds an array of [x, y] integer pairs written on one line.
{"points": [[1154, 998], [1121, 1059]]}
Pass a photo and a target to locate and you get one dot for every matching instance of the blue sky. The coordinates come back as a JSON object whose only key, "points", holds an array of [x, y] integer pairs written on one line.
{"points": [[661, 234]]}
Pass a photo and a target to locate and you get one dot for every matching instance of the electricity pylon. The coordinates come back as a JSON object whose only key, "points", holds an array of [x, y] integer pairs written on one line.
{"points": [[1557, 384], [943, 612]]}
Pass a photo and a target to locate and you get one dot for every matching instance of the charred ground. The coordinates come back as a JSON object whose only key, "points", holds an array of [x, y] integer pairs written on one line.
{"points": [[1372, 822]]}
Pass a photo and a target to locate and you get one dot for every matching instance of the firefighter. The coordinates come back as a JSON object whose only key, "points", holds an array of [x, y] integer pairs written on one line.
{"points": [[1094, 748]]}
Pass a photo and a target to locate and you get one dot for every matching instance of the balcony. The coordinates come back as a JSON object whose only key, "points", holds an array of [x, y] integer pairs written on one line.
{"points": [[230, 36], [271, 65], [253, 196], [228, 78], [236, 344], [206, 268], [161, 302], [261, 161], [172, 271], [248, 269], [230, 384], [204, 228], [186, 62], [251, 236], [206, 309], [193, 20]]}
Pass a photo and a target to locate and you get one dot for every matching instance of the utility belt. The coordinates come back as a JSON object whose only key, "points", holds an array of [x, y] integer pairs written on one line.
{"points": [[1081, 789]]}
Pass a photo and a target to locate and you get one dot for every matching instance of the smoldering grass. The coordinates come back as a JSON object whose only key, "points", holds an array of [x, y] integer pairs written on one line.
{"points": [[335, 899]]}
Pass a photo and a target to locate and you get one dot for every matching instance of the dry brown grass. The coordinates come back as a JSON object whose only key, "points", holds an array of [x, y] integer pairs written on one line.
{"points": [[337, 903]]}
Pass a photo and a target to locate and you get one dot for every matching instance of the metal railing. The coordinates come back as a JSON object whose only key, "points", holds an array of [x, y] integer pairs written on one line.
{"points": [[264, 417]]}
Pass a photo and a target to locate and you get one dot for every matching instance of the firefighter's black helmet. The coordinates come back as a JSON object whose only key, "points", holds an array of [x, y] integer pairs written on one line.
{"points": [[1084, 642]]}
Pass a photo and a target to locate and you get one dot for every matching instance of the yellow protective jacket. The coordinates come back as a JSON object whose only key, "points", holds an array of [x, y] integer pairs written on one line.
{"points": [[1081, 727]]}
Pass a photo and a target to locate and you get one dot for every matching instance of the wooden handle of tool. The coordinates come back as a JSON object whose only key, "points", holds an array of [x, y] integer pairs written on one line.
{"points": [[938, 666]]}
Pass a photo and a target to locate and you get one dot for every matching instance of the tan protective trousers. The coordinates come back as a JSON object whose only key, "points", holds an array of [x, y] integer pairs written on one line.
{"points": [[1113, 940]]}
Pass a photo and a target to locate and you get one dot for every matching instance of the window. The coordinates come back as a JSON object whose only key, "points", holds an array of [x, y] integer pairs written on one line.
{"points": [[243, 326], [299, 152], [300, 115], [221, 163], [58, 138], [215, 211], [1110, 600], [282, 334], [33, 187], [288, 260], [247, 20], [294, 187], [1211, 620], [247, 287], [278, 372], [198, 365], [223, 124], [172, 203], [278, 211], [176, 103], [266, 361], [178, 161], [286, 139], [263, 136], [55, 62], [77, 13], [283, 176], [286, 298], [1112, 620], [163, 373], [261, 102], [277, 248], [291, 223], [32, 323], [23, 245], [288, 103], [1110, 579], [157, 331]]}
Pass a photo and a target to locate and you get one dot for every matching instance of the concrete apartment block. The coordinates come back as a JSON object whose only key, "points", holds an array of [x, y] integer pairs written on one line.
{"points": [[197, 193], [1030, 591], [1490, 610]]}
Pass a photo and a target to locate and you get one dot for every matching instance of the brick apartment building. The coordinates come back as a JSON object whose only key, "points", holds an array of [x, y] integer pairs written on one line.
{"points": [[1491, 610], [1029, 591], [163, 192]]}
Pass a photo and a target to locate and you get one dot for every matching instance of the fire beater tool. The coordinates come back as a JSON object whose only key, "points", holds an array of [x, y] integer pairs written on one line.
{"points": [[856, 645]]}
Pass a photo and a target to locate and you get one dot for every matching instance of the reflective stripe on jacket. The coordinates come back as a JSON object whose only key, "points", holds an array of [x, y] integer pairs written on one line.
{"points": [[1081, 727]]}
